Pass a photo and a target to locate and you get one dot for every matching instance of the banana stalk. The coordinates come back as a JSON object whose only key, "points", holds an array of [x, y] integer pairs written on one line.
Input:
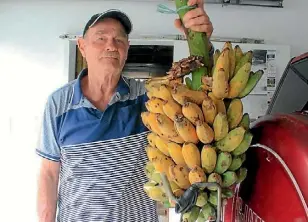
{"points": [[198, 45]]}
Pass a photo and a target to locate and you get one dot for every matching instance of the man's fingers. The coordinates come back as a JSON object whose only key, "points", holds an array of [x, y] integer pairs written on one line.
{"points": [[178, 24], [203, 28], [193, 14], [201, 20], [195, 2]]}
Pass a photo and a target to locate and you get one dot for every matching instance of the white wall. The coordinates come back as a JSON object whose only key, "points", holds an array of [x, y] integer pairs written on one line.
{"points": [[32, 59]]}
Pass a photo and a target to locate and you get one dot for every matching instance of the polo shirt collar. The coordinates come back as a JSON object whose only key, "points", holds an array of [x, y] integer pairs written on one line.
{"points": [[122, 87]]}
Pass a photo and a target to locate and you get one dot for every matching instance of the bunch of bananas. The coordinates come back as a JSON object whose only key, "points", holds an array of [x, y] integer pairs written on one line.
{"points": [[200, 135]]}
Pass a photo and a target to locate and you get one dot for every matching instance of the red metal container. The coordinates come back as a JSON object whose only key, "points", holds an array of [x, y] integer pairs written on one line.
{"points": [[276, 187]]}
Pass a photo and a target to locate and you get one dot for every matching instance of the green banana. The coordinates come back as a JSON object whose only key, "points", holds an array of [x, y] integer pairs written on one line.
{"points": [[236, 163], [192, 215], [224, 161], [198, 45], [247, 57], [227, 193], [251, 83], [149, 169], [244, 145], [209, 212], [214, 178], [238, 54], [213, 198], [229, 178], [201, 217], [241, 174], [188, 82], [155, 177], [232, 140], [201, 199], [245, 122]]}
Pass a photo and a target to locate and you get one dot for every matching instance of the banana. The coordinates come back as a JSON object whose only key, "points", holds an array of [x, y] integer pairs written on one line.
{"points": [[155, 105], [220, 86], [245, 122], [171, 108], [148, 185], [228, 45], [216, 56], [232, 140], [151, 139], [241, 174], [156, 178], [150, 121], [238, 54], [247, 57], [162, 165], [201, 199], [227, 193], [235, 113], [149, 169], [208, 158], [162, 145], [223, 62], [253, 80], [179, 174], [178, 192], [175, 151], [204, 132], [238, 83], [237, 162], [192, 215], [192, 112], [214, 178], [209, 110], [201, 217], [209, 213], [163, 92], [220, 106], [150, 95], [220, 126], [224, 161], [244, 145], [196, 175], [213, 198], [156, 193], [185, 129], [228, 178], [166, 126], [191, 155], [182, 94], [153, 153]]}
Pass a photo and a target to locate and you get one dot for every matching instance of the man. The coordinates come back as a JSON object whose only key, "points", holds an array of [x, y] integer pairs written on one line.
{"points": [[93, 139]]}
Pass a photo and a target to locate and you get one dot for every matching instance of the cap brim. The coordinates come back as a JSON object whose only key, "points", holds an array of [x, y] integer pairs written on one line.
{"points": [[118, 15]]}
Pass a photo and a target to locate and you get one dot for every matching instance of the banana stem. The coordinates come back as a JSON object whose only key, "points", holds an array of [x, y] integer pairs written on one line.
{"points": [[167, 187], [198, 45]]}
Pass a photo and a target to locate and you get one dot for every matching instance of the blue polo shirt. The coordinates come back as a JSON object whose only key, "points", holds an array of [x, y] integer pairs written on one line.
{"points": [[102, 154]]}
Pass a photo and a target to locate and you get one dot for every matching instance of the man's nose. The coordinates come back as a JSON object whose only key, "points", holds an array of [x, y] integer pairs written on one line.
{"points": [[111, 45]]}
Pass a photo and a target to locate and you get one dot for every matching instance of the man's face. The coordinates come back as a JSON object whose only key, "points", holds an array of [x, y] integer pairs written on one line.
{"points": [[105, 46]]}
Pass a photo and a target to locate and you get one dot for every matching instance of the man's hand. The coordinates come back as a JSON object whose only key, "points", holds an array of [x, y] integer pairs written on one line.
{"points": [[196, 19]]}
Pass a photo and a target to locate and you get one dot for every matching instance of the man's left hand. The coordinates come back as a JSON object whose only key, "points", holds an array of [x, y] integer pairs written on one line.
{"points": [[196, 19]]}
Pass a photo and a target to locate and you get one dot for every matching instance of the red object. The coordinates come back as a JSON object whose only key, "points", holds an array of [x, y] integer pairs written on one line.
{"points": [[276, 187]]}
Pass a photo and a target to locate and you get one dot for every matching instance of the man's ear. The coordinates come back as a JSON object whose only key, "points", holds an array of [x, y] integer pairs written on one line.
{"points": [[81, 43]]}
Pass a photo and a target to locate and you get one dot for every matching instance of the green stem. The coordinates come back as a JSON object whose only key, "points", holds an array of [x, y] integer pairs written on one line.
{"points": [[198, 45]]}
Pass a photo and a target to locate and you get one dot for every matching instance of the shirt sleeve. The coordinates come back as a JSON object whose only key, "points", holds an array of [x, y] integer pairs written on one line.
{"points": [[48, 146]]}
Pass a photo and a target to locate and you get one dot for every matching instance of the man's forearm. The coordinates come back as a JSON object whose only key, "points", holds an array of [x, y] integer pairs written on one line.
{"points": [[47, 197]]}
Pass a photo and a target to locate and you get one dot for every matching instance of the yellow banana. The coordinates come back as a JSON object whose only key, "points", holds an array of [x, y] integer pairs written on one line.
{"points": [[161, 144], [232, 140], [228, 45], [156, 193], [238, 54], [150, 121], [209, 110], [220, 126], [223, 62], [182, 94], [219, 103], [220, 85], [153, 153], [166, 126], [151, 139], [235, 113], [171, 108], [216, 56], [150, 95], [149, 169], [186, 129], [155, 105], [239, 81], [161, 91], [162, 165], [208, 158], [179, 174], [191, 155], [175, 151], [196, 175], [204, 132], [192, 112]]}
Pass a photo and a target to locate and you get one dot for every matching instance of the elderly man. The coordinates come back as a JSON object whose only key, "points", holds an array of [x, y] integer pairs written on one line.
{"points": [[93, 139]]}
